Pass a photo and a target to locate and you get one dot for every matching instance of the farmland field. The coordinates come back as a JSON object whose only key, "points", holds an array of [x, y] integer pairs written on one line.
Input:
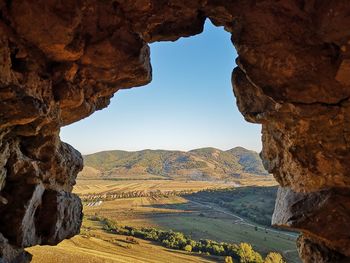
{"points": [[103, 186], [101, 247], [196, 217]]}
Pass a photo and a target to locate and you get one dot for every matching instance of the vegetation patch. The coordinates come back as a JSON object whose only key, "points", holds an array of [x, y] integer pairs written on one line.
{"points": [[254, 203], [242, 252]]}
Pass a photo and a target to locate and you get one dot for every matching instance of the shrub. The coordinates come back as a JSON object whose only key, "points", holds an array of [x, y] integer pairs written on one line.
{"points": [[274, 257], [188, 248], [248, 255], [177, 240]]}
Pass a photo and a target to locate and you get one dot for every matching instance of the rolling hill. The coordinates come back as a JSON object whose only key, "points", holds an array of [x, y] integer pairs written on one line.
{"points": [[102, 247], [198, 164]]}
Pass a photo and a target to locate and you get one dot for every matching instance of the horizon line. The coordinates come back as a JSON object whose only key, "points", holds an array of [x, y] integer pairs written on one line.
{"points": [[172, 150]]}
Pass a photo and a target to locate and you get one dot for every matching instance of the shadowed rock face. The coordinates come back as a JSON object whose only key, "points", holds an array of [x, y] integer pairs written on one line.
{"points": [[322, 215], [62, 60]]}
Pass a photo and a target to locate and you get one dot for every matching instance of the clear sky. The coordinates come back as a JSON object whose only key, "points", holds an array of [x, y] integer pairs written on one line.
{"points": [[189, 103]]}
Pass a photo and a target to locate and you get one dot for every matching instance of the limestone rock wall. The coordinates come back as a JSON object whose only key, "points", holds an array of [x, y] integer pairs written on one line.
{"points": [[62, 60]]}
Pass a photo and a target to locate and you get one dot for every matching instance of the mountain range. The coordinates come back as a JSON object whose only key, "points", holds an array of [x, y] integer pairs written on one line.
{"points": [[198, 164]]}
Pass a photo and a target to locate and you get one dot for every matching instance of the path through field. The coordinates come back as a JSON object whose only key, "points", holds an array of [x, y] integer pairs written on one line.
{"points": [[241, 220], [195, 217]]}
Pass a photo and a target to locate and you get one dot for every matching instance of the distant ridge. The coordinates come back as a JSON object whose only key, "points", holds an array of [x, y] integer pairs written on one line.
{"points": [[198, 164]]}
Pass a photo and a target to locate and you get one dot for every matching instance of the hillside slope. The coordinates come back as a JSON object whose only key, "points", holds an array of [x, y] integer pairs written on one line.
{"points": [[198, 164], [81, 249]]}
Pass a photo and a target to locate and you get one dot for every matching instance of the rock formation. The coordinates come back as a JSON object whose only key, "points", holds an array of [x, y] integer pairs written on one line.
{"points": [[62, 60]]}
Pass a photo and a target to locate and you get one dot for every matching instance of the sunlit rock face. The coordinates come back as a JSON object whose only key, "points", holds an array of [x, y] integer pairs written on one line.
{"points": [[62, 60]]}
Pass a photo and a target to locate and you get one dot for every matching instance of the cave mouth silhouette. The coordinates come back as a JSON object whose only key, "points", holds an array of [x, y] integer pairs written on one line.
{"points": [[189, 103], [62, 62]]}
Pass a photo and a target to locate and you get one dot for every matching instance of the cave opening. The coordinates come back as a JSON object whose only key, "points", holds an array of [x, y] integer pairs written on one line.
{"points": [[188, 106], [189, 103], [61, 63]]}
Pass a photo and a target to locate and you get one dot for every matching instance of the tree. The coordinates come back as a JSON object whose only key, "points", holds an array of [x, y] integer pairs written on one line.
{"points": [[217, 250], [274, 257], [228, 259], [191, 242], [166, 243], [248, 255], [258, 258], [188, 248]]}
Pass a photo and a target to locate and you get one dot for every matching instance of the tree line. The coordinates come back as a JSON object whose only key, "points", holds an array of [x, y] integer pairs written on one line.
{"points": [[132, 194], [254, 203], [243, 252]]}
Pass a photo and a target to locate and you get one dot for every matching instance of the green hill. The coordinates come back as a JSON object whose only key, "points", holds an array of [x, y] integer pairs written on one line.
{"points": [[198, 164]]}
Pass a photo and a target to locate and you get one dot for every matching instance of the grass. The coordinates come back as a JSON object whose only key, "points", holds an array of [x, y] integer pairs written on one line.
{"points": [[103, 186], [222, 229], [103, 247], [254, 203], [200, 220], [178, 214], [94, 245]]}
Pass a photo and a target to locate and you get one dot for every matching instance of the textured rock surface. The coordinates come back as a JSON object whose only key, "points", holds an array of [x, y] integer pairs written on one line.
{"points": [[10, 254], [62, 60], [313, 252], [316, 214]]}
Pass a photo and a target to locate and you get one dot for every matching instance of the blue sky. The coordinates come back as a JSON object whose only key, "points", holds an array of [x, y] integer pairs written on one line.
{"points": [[189, 103]]}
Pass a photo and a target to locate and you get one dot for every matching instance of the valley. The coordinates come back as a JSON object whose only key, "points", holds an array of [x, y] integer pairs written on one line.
{"points": [[229, 204], [196, 216], [190, 207]]}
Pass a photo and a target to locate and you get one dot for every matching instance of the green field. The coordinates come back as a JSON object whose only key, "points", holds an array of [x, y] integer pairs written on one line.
{"points": [[199, 219], [253, 203], [97, 246], [201, 215]]}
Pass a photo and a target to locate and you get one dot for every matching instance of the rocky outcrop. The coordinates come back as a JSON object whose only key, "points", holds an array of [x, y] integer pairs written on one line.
{"points": [[315, 211], [312, 252], [10, 254], [62, 60]]}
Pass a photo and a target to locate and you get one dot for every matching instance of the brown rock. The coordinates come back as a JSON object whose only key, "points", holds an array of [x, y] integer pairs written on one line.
{"points": [[60, 62], [343, 72], [8, 254], [311, 252], [310, 212], [38, 216], [59, 217], [18, 216]]}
